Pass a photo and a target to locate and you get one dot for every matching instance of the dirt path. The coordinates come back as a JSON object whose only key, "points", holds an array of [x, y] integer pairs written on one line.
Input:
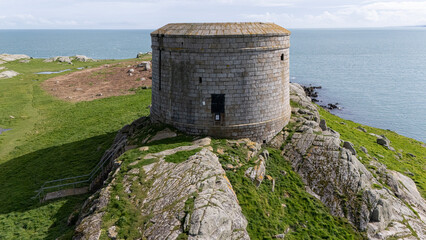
{"points": [[100, 82]]}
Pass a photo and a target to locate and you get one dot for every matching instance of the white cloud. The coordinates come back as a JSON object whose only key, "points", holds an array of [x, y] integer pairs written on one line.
{"points": [[376, 14], [154, 13]]}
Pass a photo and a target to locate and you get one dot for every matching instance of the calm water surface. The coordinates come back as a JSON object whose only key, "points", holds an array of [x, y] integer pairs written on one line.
{"points": [[377, 75]]}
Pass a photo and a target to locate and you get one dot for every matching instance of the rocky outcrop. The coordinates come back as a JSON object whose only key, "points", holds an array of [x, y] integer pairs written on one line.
{"points": [[201, 182], [257, 173], [193, 198], [69, 60], [344, 184], [12, 57], [8, 74], [90, 222]]}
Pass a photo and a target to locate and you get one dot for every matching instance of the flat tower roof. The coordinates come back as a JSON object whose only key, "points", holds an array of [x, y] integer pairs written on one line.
{"points": [[221, 29]]}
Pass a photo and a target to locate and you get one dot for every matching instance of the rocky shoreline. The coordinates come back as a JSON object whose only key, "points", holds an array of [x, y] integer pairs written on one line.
{"points": [[311, 92]]}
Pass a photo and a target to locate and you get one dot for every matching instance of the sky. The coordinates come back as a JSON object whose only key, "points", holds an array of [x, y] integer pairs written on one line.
{"points": [[151, 14]]}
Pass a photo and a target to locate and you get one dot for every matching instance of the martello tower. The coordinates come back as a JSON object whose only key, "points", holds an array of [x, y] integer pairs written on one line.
{"points": [[222, 79]]}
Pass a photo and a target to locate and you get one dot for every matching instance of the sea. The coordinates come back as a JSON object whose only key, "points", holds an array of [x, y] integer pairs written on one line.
{"points": [[376, 75]]}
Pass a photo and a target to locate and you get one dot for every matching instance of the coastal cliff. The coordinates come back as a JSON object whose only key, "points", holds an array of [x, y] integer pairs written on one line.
{"points": [[172, 186]]}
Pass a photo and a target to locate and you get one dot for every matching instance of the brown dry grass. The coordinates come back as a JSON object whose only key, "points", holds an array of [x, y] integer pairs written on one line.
{"points": [[100, 82]]}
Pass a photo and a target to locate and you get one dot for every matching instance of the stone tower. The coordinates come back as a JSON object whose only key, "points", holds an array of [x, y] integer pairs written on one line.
{"points": [[226, 80]]}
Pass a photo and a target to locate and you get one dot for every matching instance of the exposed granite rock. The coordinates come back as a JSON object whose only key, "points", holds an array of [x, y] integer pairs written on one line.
{"points": [[8, 74], [361, 129], [82, 58], [257, 173], [382, 140], [12, 57], [216, 213], [323, 125], [163, 134], [346, 187], [350, 147], [193, 198], [90, 222], [67, 59], [145, 65]]}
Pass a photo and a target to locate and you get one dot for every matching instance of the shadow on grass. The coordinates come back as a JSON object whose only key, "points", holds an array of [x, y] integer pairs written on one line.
{"points": [[21, 176]]}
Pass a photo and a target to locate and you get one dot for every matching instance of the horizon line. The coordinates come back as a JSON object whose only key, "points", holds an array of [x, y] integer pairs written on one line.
{"points": [[155, 28]]}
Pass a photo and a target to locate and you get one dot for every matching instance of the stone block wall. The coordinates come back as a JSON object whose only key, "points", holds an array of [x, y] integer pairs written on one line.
{"points": [[252, 72]]}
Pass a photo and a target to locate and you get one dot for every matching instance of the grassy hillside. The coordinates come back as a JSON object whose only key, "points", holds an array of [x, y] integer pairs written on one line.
{"points": [[50, 139]]}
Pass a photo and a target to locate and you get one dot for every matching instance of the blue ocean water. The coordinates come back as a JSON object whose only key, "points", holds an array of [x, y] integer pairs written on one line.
{"points": [[100, 44], [378, 76]]}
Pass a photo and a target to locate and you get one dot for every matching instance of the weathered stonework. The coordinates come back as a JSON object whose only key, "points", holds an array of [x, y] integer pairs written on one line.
{"points": [[247, 62]]}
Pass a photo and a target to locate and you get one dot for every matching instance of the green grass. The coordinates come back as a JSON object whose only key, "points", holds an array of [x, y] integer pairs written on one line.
{"points": [[121, 212], [181, 156], [51, 139], [288, 207], [403, 145]]}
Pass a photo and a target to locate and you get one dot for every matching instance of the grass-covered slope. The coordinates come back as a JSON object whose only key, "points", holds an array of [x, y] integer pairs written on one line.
{"points": [[399, 160], [51, 139], [288, 209]]}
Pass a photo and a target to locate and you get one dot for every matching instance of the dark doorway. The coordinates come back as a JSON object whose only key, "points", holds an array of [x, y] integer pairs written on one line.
{"points": [[218, 103]]}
